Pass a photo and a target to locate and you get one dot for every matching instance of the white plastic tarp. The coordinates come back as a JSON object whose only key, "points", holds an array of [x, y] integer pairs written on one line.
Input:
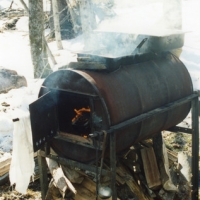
{"points": [[22, 163]]}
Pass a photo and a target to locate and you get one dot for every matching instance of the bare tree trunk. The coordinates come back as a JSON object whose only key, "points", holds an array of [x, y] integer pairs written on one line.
{"points": [[75, 20], [25, 6], [49, 51], [44, 39], [11, 4], [57, 24], [66, 23], [38, 48]]}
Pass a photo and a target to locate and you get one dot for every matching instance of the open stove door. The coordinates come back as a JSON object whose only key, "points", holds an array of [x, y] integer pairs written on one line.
{"points": [[44, 123]]}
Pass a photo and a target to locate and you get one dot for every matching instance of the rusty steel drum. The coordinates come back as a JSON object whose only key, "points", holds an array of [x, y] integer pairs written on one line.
{"points": [[124, 93]]}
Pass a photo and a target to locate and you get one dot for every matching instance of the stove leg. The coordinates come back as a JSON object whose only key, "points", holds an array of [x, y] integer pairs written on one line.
{"points": [[43, 175], [195, 149], [113, 164]]}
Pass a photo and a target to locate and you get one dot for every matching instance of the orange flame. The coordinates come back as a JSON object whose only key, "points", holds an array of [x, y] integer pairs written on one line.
{"points": [[80, 113]]}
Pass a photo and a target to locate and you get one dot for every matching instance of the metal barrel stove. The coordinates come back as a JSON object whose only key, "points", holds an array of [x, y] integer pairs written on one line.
{"points": [[112, 98]]}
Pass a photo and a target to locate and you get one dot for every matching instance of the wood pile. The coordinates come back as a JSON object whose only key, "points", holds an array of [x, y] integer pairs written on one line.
{"points": [[5, 160], [146, 171]]}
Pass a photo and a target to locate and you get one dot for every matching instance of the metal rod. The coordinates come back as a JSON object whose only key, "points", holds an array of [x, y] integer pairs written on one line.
{"points": [[180, 129], [113, 164], [91, 115], [43, 175], [151, 113], [97, 170], [75, 164], [47, 148], [195, 149]]}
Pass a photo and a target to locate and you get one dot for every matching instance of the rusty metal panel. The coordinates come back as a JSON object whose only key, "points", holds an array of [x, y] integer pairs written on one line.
{"points": [[136, 89], [43, 119]]}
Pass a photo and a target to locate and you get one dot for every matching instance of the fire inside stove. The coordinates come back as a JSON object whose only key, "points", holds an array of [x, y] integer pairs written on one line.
{"points": [[81, 122], [73, 114]]}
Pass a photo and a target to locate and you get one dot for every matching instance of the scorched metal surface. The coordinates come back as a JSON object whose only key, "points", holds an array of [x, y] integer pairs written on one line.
{"points": [[117, 96]]}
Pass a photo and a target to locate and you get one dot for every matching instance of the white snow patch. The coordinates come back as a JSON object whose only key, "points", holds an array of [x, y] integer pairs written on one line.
{"points": [[15, 53], [22, 24], [6, 124], [17, 99]]}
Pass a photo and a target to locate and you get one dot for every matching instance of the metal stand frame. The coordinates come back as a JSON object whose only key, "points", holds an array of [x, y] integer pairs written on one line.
{"points": [[195, 147]]}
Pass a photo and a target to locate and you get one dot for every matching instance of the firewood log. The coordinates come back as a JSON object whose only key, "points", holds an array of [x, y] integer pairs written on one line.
{"points": [[163, 162], [134, 187], [151, 171], [60, 179], [72, 174]]}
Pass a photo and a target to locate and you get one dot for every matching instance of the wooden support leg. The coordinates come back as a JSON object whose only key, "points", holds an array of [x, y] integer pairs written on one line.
{"points": [[195, 149], [113, 164], [43, 175]]}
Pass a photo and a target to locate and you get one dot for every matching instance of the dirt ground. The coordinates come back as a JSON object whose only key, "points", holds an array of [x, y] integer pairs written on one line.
{"points": [[8, 192]]}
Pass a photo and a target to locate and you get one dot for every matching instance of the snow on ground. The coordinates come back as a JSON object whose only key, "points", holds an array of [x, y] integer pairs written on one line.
{"points": [[18, 99], [15, 54]]}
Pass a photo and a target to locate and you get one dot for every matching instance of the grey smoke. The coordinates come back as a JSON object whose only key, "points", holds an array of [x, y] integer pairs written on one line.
{"points": [[119, 34]]}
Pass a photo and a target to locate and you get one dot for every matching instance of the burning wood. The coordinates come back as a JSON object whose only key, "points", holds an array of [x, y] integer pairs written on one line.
{"points": [[80, 114], [81, 121]]}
